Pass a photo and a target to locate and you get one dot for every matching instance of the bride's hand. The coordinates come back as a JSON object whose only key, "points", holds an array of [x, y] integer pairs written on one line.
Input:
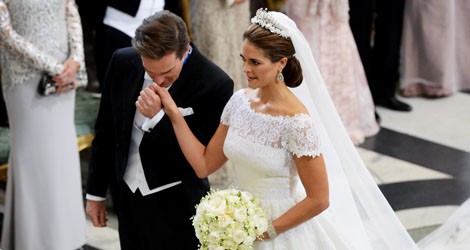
{"points": [[262, 237], [168, 103]]}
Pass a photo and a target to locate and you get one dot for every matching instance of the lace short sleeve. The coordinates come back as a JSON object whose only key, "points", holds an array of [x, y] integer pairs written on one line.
{"points": [[302, 138], [231, 107]]}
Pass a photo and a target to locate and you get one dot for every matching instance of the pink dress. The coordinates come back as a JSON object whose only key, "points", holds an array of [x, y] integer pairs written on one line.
{"points": [[325, 25], [435, 48]]}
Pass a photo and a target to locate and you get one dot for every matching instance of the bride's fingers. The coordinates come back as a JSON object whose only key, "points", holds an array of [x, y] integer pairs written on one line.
{"points": [[167, 101], [162, 92], [153, 87]]}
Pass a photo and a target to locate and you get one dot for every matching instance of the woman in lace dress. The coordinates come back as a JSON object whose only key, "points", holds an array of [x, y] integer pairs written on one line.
{"points": [[325, 25], [281, 152], [44, 207]]}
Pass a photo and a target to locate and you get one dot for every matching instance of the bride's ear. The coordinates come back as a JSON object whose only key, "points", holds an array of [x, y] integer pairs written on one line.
{"points": [[283, 62]]}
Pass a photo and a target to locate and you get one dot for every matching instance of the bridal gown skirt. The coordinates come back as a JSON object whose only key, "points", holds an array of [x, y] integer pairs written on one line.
{"points": [[44, 205], [318, 233]]}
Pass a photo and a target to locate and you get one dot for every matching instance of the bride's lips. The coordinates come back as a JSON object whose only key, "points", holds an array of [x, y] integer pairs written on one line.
{"points": [[250, 78]]}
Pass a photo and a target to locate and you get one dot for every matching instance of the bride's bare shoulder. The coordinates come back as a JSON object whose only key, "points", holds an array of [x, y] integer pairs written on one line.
{"points": [[294, 106]]}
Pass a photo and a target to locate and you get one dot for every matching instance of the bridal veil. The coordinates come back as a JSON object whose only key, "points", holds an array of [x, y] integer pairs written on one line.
{"points": [[357, 206]]}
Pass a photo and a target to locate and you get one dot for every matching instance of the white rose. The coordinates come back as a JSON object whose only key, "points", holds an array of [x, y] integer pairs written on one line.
{"points": [[213, 238], [249, 239], [217, 248], [239, 236], [203, 205], [197, 218], [230, 244], [224, 220], [240, 214], [214, 246], [198, 234], [216, 205], [262, 224], [233, 199]]}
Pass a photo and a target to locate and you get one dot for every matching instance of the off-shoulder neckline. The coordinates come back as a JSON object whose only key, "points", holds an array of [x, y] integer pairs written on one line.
{"points": [[247, 104]]}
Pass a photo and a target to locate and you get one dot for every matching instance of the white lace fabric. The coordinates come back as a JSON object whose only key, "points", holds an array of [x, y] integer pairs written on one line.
{"points": [[295, 134], [34, 35], [261, 148]]}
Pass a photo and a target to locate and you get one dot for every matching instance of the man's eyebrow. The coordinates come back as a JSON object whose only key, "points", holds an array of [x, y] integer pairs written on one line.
{"points": [[151, 72], [148, 71], [168, 70]]}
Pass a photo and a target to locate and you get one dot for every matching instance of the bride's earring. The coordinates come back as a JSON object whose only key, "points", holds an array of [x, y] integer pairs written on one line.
{"points": [[280, 77]]}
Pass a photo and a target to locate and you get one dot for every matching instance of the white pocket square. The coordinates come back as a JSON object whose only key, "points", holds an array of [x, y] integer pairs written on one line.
{"points": [[186, 111]]}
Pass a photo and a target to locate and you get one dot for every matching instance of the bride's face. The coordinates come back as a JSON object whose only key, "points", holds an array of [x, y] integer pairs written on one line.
{"points": [[260, 71]]}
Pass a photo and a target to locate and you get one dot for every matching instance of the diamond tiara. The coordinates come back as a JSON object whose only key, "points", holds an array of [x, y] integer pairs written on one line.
{"points": [[266, 20]]}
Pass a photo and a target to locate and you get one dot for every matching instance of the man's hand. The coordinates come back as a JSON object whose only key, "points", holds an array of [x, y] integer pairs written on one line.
{"points": [[96, 211], [148, 103], [167, 101]]}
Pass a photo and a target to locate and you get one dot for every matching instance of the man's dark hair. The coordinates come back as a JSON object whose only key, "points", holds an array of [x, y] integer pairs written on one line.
{"points": [[161, 34]]}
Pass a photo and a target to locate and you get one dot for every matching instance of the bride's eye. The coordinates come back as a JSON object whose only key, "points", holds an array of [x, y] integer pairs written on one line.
{"points": [[254, 62]]}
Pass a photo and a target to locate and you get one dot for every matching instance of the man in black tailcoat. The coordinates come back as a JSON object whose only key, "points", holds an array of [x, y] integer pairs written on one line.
{"points": [[154, 188]]}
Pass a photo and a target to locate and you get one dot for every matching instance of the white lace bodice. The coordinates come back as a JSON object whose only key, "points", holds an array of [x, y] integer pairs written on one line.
{"points": [[262, 146], [34, 34]]}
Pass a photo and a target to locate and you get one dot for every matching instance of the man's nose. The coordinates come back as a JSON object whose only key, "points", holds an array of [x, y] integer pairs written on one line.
{"points": [[159, 80]]}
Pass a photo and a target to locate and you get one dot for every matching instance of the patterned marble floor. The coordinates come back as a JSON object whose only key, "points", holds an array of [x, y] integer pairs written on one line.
{"points": [[421, 161]]}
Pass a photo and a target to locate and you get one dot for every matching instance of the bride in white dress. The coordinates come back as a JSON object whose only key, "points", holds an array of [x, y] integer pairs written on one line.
{"points": [[285, 146]]}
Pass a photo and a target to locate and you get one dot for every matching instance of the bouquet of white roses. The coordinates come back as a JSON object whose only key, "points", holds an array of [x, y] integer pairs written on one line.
{"points": [[229, 219]]}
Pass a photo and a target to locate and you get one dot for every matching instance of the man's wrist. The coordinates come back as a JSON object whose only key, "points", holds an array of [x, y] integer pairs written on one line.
{"points": [[148, 125], [94, 198]]}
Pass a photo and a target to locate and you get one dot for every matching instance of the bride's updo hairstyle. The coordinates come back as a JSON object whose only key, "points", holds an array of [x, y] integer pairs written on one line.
{"points": [[275, 47]]}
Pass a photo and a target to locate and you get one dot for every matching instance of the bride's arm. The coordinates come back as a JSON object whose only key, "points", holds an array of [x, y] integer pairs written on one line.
{"points": [[204, 160], [312, 173]]}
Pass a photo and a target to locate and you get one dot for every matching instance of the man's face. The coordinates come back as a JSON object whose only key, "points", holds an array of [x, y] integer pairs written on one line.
{"points": [[164, 71]]}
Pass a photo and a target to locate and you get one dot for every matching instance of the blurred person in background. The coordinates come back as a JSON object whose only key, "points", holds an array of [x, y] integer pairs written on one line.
{"points": [[44, 205], [435, 48], [209, 22], [325, 25], [377, 27], [115, 22]]}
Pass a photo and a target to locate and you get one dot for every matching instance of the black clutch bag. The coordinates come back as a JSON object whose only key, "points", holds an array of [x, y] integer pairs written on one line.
{"points": [[46, 85]]}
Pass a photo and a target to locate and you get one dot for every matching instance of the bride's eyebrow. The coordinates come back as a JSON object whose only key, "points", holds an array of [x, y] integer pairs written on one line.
{"points": [[251, 59]]}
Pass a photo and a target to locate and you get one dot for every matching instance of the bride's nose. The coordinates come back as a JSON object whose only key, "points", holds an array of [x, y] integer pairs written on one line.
{"points": [[246, 67]]}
